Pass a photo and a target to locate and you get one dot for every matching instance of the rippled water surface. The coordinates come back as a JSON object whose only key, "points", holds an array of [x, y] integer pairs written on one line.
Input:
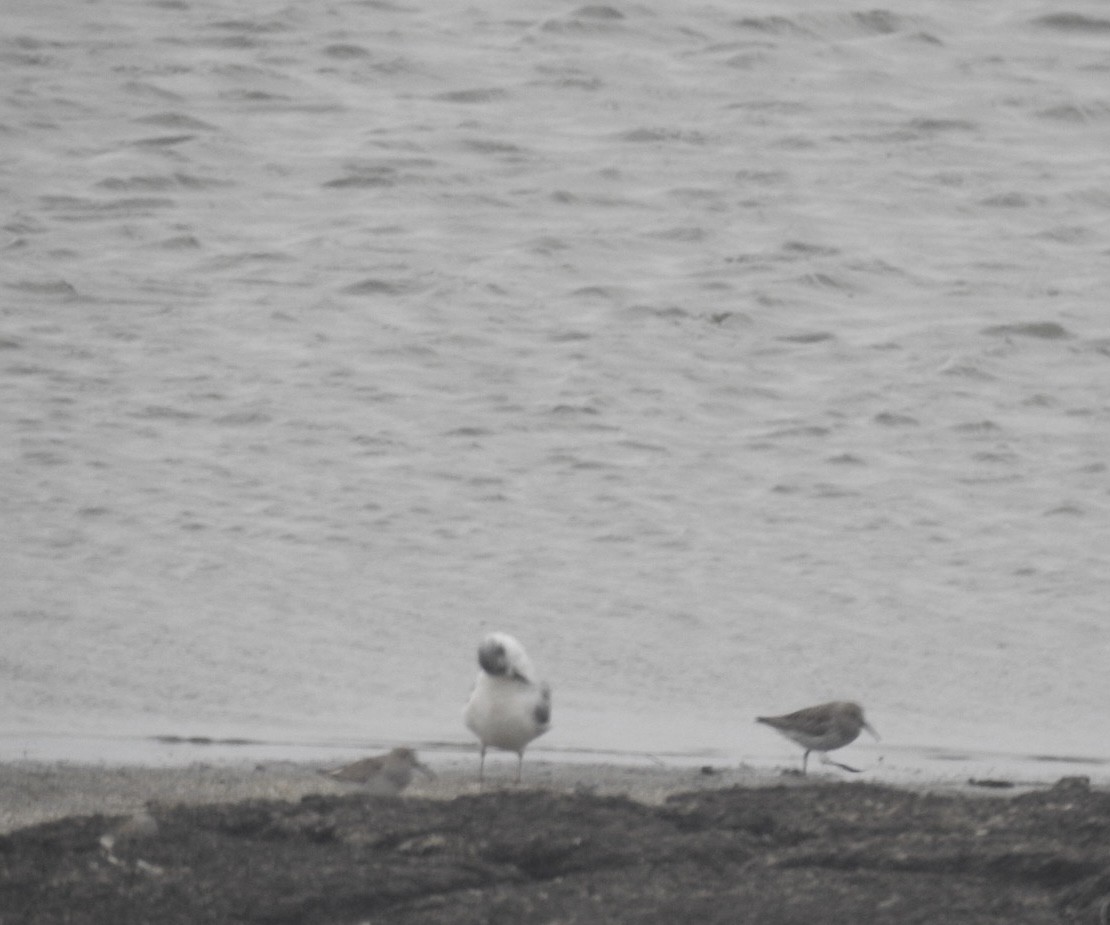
{"points": [[734, 357]]}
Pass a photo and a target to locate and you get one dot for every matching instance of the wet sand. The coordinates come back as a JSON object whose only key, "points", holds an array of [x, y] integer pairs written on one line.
{"points": [[35, 792], [575, 843]]}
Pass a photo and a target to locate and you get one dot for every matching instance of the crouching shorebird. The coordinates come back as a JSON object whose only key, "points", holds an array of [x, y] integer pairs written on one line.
{"points": [[509, 706], [822, 728], [383, 775]]}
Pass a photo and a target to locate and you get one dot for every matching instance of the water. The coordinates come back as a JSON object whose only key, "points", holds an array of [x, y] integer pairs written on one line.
{"points": [[734, 359]]}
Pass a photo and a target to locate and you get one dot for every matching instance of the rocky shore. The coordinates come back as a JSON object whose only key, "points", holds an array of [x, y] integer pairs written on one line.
{"points": [[789, 851]]}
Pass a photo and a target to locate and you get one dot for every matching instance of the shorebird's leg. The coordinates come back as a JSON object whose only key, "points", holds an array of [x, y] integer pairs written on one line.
{"points": [[482, 767], [805, 761], [837, 764], [519, 765]]}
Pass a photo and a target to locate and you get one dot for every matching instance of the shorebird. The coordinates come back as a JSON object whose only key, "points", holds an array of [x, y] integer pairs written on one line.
{"points": [[383, 775], [822, 728], [509, 706], [137, 827], [140, 826]]}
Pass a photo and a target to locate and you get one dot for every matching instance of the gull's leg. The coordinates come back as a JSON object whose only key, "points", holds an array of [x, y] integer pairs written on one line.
{"points": [[519, 764], [482, 767], [805, 761]]}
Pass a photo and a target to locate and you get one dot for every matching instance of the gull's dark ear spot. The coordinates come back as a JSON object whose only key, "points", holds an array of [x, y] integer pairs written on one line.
{"points": [[492, 658]]}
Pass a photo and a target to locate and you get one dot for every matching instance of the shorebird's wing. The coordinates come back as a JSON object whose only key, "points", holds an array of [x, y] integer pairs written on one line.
{"points": [[811, 721], [357, 772]]}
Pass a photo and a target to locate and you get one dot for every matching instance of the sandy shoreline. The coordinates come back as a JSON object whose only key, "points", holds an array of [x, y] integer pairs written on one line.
{"points": [[32, 792], [277, 842]]}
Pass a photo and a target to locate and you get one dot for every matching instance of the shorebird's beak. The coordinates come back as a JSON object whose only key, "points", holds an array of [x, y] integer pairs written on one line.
{"points": [[425, 770], [871, 729]]}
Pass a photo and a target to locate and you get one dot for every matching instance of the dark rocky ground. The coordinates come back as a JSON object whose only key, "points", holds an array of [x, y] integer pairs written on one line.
{"points": [[814, 853]]}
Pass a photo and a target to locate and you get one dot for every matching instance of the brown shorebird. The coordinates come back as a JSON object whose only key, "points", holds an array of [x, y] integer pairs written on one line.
{"points": [[822, 728], [129, 833], [383, 775], [509, 706]]}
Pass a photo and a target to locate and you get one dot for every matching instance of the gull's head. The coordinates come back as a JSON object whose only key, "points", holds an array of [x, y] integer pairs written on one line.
{"points": [[501, 656]]}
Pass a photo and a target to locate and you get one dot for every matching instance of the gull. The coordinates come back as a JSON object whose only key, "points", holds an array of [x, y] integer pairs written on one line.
{"points": [[509, 706], [383, 775], [823, 728]]}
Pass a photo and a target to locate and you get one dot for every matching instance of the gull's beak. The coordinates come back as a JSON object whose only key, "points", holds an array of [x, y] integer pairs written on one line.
{"points": [[871, 729], [420, 766]]}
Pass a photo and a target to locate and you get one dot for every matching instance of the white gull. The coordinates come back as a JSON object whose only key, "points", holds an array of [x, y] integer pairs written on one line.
{"points": [[509, 706]]}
